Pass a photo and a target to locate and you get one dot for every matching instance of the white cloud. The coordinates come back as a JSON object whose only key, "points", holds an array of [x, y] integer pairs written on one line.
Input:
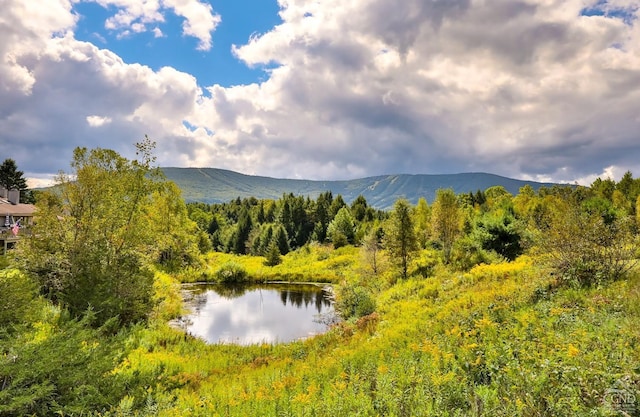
{"points": [[200, 20], [20, 35], [38, 180], [97, 121], [136, 16], [78, 87]]}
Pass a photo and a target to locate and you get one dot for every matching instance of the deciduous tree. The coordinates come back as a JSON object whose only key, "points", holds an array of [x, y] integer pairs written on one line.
{"points": [[446, 220], [94, 241], [400, 238]]}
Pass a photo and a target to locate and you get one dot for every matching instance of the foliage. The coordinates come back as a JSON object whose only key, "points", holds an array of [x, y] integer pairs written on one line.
{"points": [[341, 230], [422, 222], [372, 247], [468, 252], [17, 296], [587, 248], [483, 335], [477, 343], [231, 273], [273, 257], [62, 367], [446, 221], [501, 233], [354, 301], [177, 238], [399, 236], [95, 241]]}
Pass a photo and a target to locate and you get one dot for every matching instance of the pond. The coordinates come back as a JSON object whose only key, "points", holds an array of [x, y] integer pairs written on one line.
{"points": [[269, 313]]}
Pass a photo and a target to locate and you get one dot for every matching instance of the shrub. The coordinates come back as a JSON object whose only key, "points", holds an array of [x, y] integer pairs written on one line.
{"points": [[586, 249], [231, 272], [354, 301], [467, 253], [17, 294]]}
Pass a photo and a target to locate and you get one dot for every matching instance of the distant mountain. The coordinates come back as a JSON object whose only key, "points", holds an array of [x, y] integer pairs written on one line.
{"points": [[212, 185]]}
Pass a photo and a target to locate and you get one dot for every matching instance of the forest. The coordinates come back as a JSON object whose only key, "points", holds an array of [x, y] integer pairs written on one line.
{"points": [[476, 304]]}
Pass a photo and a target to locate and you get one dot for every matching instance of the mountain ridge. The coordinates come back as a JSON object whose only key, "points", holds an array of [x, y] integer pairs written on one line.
{"points": [[216, 185]]}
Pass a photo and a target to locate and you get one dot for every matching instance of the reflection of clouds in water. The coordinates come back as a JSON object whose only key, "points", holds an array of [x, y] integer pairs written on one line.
{"points": [[260, 315]]}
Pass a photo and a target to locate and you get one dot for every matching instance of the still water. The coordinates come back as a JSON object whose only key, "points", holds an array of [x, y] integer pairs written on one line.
{"points": [[270, 313]]}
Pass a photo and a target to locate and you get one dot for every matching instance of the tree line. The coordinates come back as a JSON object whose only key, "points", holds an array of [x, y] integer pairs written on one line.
{"points": [[465, 229]]}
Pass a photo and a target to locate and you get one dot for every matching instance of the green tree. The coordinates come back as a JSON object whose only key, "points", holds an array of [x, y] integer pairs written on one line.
{"points": [[272, 256], [176, 234], [422, 215], [342, 228], [93, 244], [587, 247], [13, 179], [359, 208], [446, 220], [501, 233], [281, 239], [399, 238]]}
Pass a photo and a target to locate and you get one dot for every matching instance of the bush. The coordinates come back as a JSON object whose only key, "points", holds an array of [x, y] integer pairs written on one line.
{"points": [[354, 301], [17, 296], [467, 253], [587, 249], [231, 272]]}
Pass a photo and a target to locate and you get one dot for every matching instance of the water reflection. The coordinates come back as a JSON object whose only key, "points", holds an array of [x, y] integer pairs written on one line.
{"points": [[257, 314]]}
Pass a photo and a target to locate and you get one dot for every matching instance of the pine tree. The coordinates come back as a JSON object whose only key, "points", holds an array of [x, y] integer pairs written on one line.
{"points": [[273, 254], [13, 179]]}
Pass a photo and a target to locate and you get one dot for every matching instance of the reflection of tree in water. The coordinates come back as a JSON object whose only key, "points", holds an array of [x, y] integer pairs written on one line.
{"points": [[310, 296], [198, 301], [195, 297], [295, 295], [232, 291]]}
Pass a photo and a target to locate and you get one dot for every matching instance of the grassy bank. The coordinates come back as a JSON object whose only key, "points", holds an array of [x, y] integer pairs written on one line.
{"points": [[312, 263]]}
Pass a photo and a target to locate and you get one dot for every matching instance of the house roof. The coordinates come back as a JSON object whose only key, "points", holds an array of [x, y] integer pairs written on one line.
{"points": [[24, 210]]}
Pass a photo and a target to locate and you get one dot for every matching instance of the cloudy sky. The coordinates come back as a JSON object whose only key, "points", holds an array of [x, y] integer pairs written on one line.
{"points": [[326, 89]]}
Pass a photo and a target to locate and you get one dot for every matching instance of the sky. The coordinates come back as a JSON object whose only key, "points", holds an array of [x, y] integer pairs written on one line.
{"points": [[544, 90]]}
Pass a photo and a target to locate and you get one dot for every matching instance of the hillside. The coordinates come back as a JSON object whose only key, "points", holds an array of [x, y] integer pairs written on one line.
{"points": [[212, 185]]}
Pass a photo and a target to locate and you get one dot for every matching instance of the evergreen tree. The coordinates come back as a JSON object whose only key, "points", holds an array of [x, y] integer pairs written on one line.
{"points": [[240, 238], [359, 208], [342, 228], [336, 205], [13, 179], [273, 254], [282, 240]]}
